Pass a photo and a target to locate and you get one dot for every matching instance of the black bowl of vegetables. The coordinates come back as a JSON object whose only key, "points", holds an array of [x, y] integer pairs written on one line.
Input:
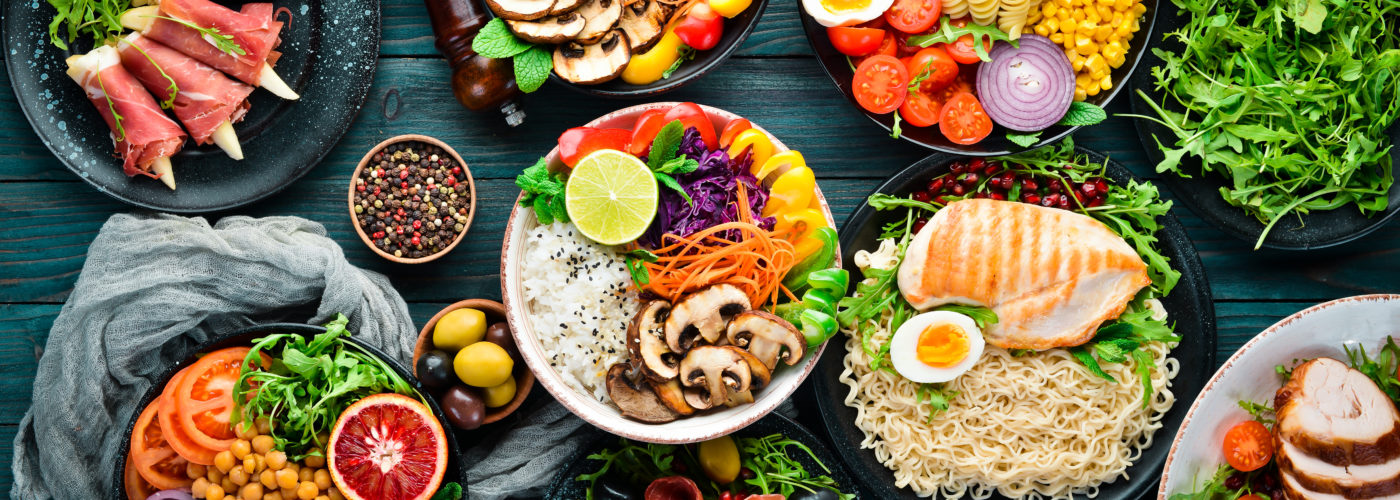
{"points": [[1048, 120], [355, 369]]}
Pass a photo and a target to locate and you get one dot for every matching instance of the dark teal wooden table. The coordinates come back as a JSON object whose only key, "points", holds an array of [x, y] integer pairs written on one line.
{"points": [[48, 217]]}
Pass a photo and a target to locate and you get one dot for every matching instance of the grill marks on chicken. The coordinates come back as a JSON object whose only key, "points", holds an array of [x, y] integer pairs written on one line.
{"points": [[1337, 436]]}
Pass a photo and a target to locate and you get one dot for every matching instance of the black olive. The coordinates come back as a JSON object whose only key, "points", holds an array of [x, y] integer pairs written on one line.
{"points": [[611, 487], [434, 369], [464, 407], [820, 494], [499, 333]]}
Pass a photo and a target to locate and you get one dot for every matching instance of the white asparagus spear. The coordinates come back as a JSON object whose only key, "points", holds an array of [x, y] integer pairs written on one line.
{"points": [[139, 19], [100, 58]]}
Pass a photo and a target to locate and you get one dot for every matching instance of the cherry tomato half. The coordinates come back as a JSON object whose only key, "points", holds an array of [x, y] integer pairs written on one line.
{"points": [[1248, 446], [922, 109], [644, 132], [964, 50], [880, 84], [963, 120], [702, 27], [151, 455], [888, 47], [578, 142], [204, 398], [732, 130], [692, 116], [941, 68], [167, 414], [854, 41], [914, 16]]}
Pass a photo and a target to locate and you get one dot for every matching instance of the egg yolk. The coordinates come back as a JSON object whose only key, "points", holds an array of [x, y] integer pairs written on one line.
{"points": [[843, 6], [943, 345]]}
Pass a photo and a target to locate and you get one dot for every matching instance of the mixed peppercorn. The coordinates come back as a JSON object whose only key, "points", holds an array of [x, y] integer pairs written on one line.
{"points": [[412, 199], [978, 178]]}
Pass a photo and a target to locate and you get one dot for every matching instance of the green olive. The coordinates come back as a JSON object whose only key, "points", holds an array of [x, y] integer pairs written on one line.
{"points": [[458, 329], [719, 458], [500, 395], [483, 364]]}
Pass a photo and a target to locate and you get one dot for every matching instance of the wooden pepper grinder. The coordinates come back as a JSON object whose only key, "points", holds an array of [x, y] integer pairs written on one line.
{"points": [[480, 83]]}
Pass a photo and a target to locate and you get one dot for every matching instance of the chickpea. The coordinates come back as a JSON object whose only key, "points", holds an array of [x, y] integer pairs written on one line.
{"points": [[260, 462], [268, 478], [228, 485], [223, 461], [200, 487], [238, 476], [215, 476], [276, 495], [195, 471], [214, 492], [316, 461], [245, 430], [287, 478], [262, 444], [240, 448], [264, 425], [307, 490], [289, 494], [276, 460], [251, 491], [250, 464], [322, 478], [334, 493], [306, 474]]}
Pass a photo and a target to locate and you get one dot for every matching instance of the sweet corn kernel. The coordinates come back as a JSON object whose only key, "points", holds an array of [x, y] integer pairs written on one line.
{"points": [[1123, 5], [1117, 20], [1080, 94], [1077, 15], [1105, 12], [1069, 26], [1049, 9], [1052, 24], [1102, 33], [1122, 31], [1085, 46], [1139, 9], [1096, 62], [1082, 81], [1107, 82], [1057, 38], [1097, 74], [1093, 90], [1042, 30], [1092, 16]]}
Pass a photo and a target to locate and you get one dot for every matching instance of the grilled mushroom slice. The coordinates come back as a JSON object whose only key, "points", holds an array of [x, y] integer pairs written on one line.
{"points": [[703, 313], [671, 395], [562, 6], [602, 16], [767, 337], [644, 22], [739, 398], [710, 373], [552, 29], [636, 400], [646, 342], [595, 63], [520, 10]]}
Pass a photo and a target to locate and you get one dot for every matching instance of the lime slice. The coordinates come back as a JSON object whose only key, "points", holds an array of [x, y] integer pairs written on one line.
{"points": [[611, 197]]}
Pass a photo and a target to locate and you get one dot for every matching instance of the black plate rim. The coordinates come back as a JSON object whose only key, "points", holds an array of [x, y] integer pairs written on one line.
{"points": [[375, 22], [823, 49], [664, 85], [868, 472], [1223, 216], [454, 452]]}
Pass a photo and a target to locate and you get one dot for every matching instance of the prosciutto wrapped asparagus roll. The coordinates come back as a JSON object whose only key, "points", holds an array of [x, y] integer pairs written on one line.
{"points": [[144, 137], [205, 100], [239, 43]]}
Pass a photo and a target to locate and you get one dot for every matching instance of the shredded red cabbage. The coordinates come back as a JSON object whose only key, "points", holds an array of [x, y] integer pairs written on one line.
{"points": [[713, 188]]}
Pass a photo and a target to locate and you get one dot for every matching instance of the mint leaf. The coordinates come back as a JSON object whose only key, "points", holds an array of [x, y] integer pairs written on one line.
{"points": [[495, 41], [670, 182], [665, 145], [1081, 113], [544, 192], [679, 165], [1023, 140], [532, 68]]}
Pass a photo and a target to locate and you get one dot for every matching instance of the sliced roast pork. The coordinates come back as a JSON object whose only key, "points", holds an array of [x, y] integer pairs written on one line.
{"points": [[1337, 436]]}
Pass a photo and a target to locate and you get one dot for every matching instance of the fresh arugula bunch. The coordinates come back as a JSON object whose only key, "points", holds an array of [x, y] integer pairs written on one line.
{"points": [[544, 192], [309, 385], [1382, 369], [532, 62], [775, 471], [100, 19], [982, 36], [1289, 100]]}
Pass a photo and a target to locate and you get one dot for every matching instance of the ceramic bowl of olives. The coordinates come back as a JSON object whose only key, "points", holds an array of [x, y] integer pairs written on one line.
{"points": [[466, 356]]}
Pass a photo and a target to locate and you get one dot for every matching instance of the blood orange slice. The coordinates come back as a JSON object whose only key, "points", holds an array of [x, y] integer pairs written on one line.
{"points": [[387, 447]]}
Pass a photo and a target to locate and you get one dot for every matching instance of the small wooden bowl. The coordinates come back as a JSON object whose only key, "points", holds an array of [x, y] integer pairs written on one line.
{"points": [[355, 220], [495, 312]]}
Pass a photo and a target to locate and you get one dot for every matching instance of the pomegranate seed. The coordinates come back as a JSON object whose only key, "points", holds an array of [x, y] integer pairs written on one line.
{"points": [[998, 196], [1007, 180], [1029, 184], [935, 185], [980, 196], [919, 223], [1101, 184], [958, 190], [941, 200], [970, 180], [1235, 481], [1049, 200], [976, 165], [922, 196], [1089, 189], [1064, 202], [1031, 198], [1094, 202], [1056, 185], [993, 170], [959, 167]]}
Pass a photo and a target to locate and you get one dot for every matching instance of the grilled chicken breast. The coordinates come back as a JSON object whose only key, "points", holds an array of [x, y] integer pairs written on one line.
{"points": [[1052, 276], [1337, 436]]}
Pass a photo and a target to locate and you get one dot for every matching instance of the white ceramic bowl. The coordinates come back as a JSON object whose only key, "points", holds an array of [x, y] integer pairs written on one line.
{"points": [[1320, 330], [605, 416]]}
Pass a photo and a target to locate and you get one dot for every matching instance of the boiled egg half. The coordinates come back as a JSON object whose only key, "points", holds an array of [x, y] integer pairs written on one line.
{"points": [[936, 346], [831, 13]]}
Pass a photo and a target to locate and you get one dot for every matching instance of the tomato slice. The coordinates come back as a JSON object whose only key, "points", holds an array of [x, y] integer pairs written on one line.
{"points": [[941, 68], [179, 441], [692, 116], [1248, 446], [888, 47], [880, 84], [963, 121], [732, 130], [135, 486], [204, 398], [855, 41], [151, 454], [964, 51], [914, 16], [578, 142], [644, 132]]}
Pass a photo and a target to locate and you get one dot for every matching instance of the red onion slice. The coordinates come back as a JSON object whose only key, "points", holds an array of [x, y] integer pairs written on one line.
{"points": [[1026, 88]]}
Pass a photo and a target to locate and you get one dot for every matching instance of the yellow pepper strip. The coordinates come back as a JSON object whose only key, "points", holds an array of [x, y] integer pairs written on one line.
{"points": [[730, 8], [791, 157], [752, 139], [649, 66], [792, 191], [800, 227]]}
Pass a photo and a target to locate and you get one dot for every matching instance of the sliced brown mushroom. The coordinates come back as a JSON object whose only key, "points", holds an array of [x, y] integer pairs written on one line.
{"points": [[595, 63], [704, 314], [562, 6], [634, 400], [552, 29], [646, 342], [644, 22], [671, 395], [520, 10], [767, 337], [739, 398], [602, 16], [709, 373]]}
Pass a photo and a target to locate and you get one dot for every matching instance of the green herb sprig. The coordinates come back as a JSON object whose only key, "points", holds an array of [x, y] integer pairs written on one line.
{"points": [[100, 19], [112, 108], [1215, 488], [172, 90], [768, 457], [532, 62], [1381, 369], [949, 34], [664, 161], [544, 192], [686, 54], [636, 265], [211, 34]]}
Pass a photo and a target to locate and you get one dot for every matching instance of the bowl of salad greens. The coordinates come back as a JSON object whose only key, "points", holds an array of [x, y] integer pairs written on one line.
{"points": [[1276, 119]]}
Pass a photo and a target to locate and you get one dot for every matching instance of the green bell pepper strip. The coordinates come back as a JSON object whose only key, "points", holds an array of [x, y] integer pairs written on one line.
{"points": [[817, 327], [832, 281], [797, 277]]}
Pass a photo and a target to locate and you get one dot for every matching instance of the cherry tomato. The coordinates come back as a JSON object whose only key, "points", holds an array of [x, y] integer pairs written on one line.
{"points": [[732, 130], [167, 414], [701, 28], [914, 16], [578, 142], [1250, 496], [692, 116], [888, 47], [644, 132], [880, 84], [204, 398], [877, 23], [154, 460], [136, 486], [1248, 446], [941, 68], [963, 121], [923, 108], [902, 46], [855, 41], [964, 50]]}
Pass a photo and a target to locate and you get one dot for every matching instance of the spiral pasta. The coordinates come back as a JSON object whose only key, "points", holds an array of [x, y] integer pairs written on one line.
{"points": [[1013, 16], [984, 12], [955, 8]]}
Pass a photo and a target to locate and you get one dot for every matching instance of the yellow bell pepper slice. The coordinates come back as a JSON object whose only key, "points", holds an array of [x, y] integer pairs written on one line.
{"points": [[755, 140], [791, 192], [730, 8], [651, 65], [789, 157], [800, 227]]}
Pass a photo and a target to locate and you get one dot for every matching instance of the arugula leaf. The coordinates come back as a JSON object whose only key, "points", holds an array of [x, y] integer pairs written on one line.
{"points": [[1081, 113], [1260, 412], [686, 53], [172, 90], [982, 36], [983, 316], [1023, 140], [881, 201], [212, 35], [895, 130], [543, 192], [496, 41], [1381, 369], [112, 108], [532, 68], [100, 19]]}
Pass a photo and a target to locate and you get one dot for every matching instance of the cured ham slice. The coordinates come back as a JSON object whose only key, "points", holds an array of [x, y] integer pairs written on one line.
{"points": [[205, 100], [252, 28], [1052, 276], [1337, 436], [144, 137]]}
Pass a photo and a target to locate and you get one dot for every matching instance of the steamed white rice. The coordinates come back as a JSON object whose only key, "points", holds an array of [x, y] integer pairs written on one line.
{"points": [[581, 299]]}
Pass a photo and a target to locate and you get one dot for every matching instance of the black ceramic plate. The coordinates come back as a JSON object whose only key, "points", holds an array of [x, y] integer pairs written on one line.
{"points": [[736, 30], [1189, 305], [456, 469], [564, 487], [1202, 192], [329, 52], [836, 66]]}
